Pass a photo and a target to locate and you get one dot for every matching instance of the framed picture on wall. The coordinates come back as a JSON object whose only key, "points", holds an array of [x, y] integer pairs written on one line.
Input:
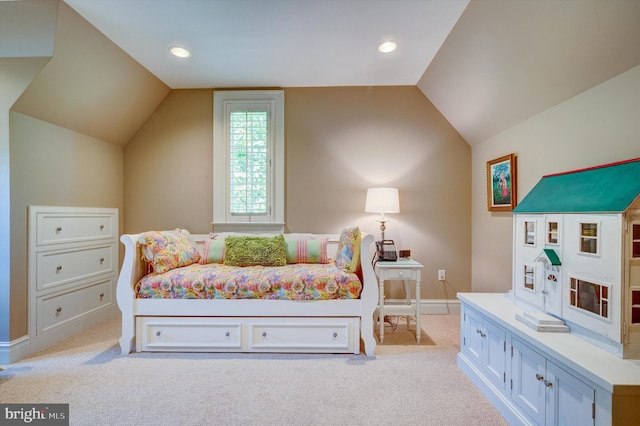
{"points": [[501, 183]]}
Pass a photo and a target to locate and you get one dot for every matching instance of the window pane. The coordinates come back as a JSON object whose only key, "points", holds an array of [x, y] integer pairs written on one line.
{"points": [[248, 162], [589, 229]]}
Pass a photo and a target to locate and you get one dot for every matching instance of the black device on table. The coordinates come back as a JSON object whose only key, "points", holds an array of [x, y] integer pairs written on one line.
{"points": [[386, 251]]}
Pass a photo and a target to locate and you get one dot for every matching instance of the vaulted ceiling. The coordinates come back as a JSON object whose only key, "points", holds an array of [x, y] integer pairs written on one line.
{"points": [[485, 64]]}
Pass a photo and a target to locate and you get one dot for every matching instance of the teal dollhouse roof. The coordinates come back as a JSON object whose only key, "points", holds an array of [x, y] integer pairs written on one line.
{"points": [[610, 188], [553, 256]]}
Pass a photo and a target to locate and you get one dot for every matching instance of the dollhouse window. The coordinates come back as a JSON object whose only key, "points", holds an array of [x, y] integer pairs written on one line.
{"points": [[552, 233], [530, 233], [635, 306], [589, 296], [529, 275], [589, 237], [635, 240]]}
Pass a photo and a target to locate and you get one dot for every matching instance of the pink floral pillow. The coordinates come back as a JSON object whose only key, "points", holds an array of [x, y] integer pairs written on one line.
{"points": [[166, 250]]}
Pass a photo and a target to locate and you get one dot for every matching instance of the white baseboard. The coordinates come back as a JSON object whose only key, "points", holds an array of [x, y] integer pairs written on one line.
{"points": [[434, 306], [14, 350]]}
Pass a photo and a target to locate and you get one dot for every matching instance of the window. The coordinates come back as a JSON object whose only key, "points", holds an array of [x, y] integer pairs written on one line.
{"points": [[635, 306], [530, 233], [552, 233], [589, 238], [591, 297], [635, 240], [248, 160], [529, 277]]}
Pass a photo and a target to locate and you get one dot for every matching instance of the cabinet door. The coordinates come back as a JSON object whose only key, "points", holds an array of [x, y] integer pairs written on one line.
{"points": [[473, 344], [528, 375], [570, 402], [495, 356]]}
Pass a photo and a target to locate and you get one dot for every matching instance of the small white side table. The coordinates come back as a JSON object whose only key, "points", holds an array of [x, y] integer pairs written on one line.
{"points": [[405, 270]]}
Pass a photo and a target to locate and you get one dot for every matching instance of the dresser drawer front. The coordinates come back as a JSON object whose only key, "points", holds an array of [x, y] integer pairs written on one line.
{"points": [[57, 228], [59, 309], [189, 334], [318, 334], [58, 268]]}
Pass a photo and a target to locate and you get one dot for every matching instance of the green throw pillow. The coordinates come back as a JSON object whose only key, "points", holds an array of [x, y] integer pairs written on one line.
{"points": [[251, 251]]}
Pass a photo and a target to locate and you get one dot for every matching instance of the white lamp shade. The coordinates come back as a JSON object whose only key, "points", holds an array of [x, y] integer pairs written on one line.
{"points": [[382, 200]]}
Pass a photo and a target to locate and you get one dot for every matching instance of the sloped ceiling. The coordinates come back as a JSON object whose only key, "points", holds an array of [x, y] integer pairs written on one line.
{"points": [[90, 85], [277, 43], [506, 61], [502, 62]]}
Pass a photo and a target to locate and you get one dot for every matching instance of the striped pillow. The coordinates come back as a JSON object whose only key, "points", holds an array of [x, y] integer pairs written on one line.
{"points": [[306, 250], [212, 252]]}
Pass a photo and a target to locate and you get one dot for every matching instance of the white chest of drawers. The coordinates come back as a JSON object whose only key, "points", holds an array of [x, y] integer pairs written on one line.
{"points": [[73, 267]]}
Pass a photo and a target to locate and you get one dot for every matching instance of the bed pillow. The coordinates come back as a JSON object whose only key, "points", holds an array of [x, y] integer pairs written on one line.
{"points": [[348, 255], [167, 250], [212, 251], [306, 250], [252, 251]]}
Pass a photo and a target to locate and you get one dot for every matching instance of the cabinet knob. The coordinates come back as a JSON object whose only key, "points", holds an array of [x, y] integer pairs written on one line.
{"points": [[58, 310], [539, 377], [101, 227], [335, 334], [101, 296], [59, 268], [548, 384], [264, 334], [227, 334], [101, 260], [59, 229], [401, 273], [158, 333]]}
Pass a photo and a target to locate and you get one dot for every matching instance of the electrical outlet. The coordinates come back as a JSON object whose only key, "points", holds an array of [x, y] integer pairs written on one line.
{"points": [[441, 276]]}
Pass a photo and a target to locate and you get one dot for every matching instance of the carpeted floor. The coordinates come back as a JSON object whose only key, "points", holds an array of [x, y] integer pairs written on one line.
{"points": [[404, 384]]}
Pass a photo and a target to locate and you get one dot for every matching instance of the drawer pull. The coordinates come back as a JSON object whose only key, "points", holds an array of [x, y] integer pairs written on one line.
{"points": [[101, 296], [101, 260], [158, 333], [101, 227], [59, 268], [227, 334], [400, 273], [58, 310], [335, 334], [264, 334], [59, 229]]}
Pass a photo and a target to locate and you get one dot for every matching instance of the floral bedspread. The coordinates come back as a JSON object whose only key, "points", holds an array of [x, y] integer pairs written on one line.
{"points": [[300, 281]]}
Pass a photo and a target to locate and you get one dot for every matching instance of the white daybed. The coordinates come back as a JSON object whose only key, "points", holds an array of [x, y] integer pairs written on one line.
{"points": [[245, 325]]}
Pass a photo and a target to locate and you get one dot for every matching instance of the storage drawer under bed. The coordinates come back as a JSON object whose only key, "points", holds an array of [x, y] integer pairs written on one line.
{"points": [[248, 334]]}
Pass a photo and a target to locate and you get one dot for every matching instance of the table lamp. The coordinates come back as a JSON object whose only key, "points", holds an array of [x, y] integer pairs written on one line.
{"points": [[382, 200]]}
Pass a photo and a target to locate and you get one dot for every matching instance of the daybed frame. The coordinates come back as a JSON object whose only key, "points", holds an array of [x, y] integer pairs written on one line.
{"points": [[197, 325]]}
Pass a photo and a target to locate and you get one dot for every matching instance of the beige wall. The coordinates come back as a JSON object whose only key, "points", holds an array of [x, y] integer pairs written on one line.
{"points": [[168, 166], [339, 142], [50, 165], [598, 126]]}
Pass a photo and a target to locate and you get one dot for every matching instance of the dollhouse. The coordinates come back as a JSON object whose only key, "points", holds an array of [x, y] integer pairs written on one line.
{"points": [[576, 262]]}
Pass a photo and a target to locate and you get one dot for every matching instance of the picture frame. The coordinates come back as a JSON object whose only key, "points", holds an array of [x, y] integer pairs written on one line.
{"points": [[501, 183]]}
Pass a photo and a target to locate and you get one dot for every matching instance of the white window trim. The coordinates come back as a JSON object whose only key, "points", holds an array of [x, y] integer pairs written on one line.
{"points": [[597, 238], [221, 223]]}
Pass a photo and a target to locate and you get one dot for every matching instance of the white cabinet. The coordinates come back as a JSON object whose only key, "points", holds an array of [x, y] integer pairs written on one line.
{"points": [[485, 344], [73, 266], [547, 393], [542, 378]]}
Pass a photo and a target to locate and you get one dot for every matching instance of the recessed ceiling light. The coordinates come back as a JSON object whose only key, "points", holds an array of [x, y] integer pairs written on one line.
{"points": [[180, 52], [388, 46]]}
